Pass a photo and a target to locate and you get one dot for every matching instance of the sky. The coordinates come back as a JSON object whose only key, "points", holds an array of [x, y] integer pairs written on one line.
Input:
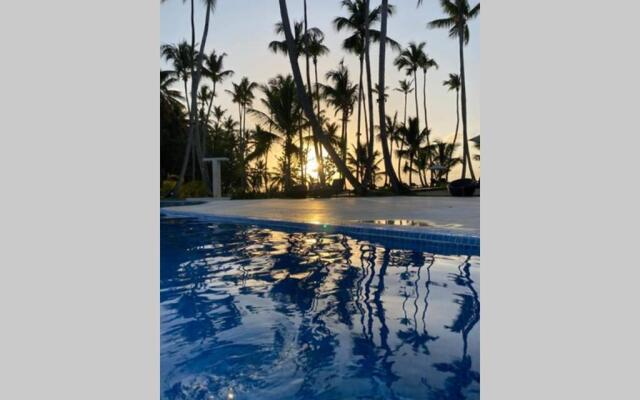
{"points": [[243, 29]]}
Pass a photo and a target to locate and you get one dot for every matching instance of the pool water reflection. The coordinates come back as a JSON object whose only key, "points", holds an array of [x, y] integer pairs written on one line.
{"points": [[266, 314]]}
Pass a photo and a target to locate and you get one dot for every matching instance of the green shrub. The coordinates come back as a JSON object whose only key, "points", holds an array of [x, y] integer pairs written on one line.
{"points": [[166, 187], [193, 189], [188, 189]]}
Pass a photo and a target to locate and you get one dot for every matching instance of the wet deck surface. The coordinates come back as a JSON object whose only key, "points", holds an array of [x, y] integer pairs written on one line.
{"points": [[446, 213]]}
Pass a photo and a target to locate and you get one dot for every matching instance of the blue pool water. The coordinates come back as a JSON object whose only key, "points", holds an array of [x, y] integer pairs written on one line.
{"points": [[256, 313]]}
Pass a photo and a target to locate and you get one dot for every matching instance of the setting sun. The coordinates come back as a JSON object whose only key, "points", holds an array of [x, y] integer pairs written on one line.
{"points": [[312, 165]]}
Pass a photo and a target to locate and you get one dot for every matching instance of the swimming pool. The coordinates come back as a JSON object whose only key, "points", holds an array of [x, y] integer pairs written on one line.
{"points": [[255, 313]]}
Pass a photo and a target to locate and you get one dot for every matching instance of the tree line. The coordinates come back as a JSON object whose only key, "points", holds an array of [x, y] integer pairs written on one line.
{"points": [[294, 110]]}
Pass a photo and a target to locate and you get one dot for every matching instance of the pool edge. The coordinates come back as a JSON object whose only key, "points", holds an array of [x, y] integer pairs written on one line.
{"points": [[430, 235]]}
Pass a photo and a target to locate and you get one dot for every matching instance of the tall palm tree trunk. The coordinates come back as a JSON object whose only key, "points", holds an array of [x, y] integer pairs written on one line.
{"points": [[424, 99], [301, 156], [426, 121], [365, 117], [406, 95], [344, 143], [266, 171], [360, 98], [188, 150], [455, 137], [193, 116], [410, 169], [213, 95], [309, 90], [307, 106], [193, 45], [388, 164], [318, 149], [370, 138], [206, 120], [186, 96], [465, 144], [415, 87], [193, 28]]}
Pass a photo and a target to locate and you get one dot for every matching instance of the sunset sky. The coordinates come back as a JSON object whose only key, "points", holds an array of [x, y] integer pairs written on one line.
{"points": [[243, 29]]}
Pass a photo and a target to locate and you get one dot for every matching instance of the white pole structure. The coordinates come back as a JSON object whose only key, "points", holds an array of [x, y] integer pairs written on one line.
{"points": [[216, 180]]}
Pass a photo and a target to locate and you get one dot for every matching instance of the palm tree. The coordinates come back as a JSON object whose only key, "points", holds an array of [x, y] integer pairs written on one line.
{"points": [[453, 83], [359, 20], [215, 72], [405, 88], [263, 141], [342, 96], [459, 12], [391, 126], [388, 165], [204, 98], [193, 115], [315, 49], [410, 60], [442, 157], [303, 37], [412, 138], [284, 114], [380, 92], [242, 95], [181, 57], [359, 159], [421, 162], [306, 104], [425, 64], [193, 32], [169, 96]]}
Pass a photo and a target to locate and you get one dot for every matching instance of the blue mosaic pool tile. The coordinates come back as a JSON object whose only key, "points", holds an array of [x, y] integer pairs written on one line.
{"points": [[452, 242]]}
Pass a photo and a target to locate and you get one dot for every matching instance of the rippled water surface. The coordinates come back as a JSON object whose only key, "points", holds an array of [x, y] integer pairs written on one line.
{"points": [[266, 314]]}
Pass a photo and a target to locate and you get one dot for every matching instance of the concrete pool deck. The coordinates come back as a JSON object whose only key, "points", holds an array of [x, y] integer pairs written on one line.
{"points": [[440, 218]]}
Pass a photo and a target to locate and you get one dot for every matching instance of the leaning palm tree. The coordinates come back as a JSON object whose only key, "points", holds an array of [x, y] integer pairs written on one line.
{"points": [[305, 102], [459, 12], [453, 83]]}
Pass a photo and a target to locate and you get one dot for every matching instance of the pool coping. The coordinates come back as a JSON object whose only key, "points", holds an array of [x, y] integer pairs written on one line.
{"points": [[421, 234]]}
